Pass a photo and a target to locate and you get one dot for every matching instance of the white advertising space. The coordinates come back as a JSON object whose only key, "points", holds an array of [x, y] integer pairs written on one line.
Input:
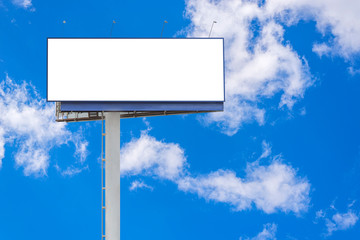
{"points": [[116, 69]]}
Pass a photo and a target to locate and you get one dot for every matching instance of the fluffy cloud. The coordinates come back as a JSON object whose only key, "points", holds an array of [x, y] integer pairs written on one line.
{"points": [[29, 123], [341, 221], [259, 64], [270, 188], [149, 156], [268, 233], [336, 19], [236, 113]]}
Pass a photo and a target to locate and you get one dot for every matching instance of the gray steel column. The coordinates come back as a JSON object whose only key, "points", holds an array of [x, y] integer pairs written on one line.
{"points": [[112, 176]]}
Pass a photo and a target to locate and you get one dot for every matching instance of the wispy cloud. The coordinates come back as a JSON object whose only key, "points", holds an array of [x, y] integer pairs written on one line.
{"points": [[268, 233], [70, 170], [138, 184], [266, 149], [336, 220], [353, 71], [26, 4], [341, 221], [81, 146], [2, 145], [270, 188], [320, 214], [28, 122]]}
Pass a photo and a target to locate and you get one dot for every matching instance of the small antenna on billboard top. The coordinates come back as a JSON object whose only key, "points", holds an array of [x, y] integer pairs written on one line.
{"points": [[112, 26], [212, 25], [163, 28]]}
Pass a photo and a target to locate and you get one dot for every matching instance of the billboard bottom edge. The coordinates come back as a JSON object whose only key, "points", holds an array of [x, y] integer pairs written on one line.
{"points": [[140, 106]]}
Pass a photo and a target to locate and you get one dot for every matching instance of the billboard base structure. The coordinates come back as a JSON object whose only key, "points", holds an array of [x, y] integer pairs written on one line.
{"points": [[81, 116], [112, 177], [110, 196]]}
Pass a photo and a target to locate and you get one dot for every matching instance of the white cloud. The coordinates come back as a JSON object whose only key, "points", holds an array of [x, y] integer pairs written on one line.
{"points": [[147, 123], [336, 19], [320, 214], [268, 233], [341, 221], [321, 49], [2, 145], [353, 71], [139, 184], [303, 111], [28, 121], [81, 150], [335, 220], [26, 4], [70, 170], [146, 155], [266, 148], [268, 188], [259, 64], [236, 113], [351, 204]]}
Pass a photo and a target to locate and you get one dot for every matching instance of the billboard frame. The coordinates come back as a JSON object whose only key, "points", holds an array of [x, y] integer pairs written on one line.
{"points": [[178, 106]]}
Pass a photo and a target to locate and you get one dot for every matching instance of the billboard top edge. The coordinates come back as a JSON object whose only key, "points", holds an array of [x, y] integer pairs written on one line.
{"points": [[189, 100]]}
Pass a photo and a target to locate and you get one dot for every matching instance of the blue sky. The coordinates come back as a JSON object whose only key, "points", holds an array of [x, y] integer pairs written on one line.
{"points": [[281, 162]]}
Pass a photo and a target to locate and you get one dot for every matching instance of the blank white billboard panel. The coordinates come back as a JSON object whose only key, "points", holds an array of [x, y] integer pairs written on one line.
{"points": [[135, 70]]}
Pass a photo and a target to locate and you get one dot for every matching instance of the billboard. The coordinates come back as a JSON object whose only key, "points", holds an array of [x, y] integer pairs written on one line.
{"points": [[135, 70]]}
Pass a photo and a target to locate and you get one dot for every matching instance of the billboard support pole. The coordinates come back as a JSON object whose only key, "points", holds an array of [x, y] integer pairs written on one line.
{"points": [[112, 176]]}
